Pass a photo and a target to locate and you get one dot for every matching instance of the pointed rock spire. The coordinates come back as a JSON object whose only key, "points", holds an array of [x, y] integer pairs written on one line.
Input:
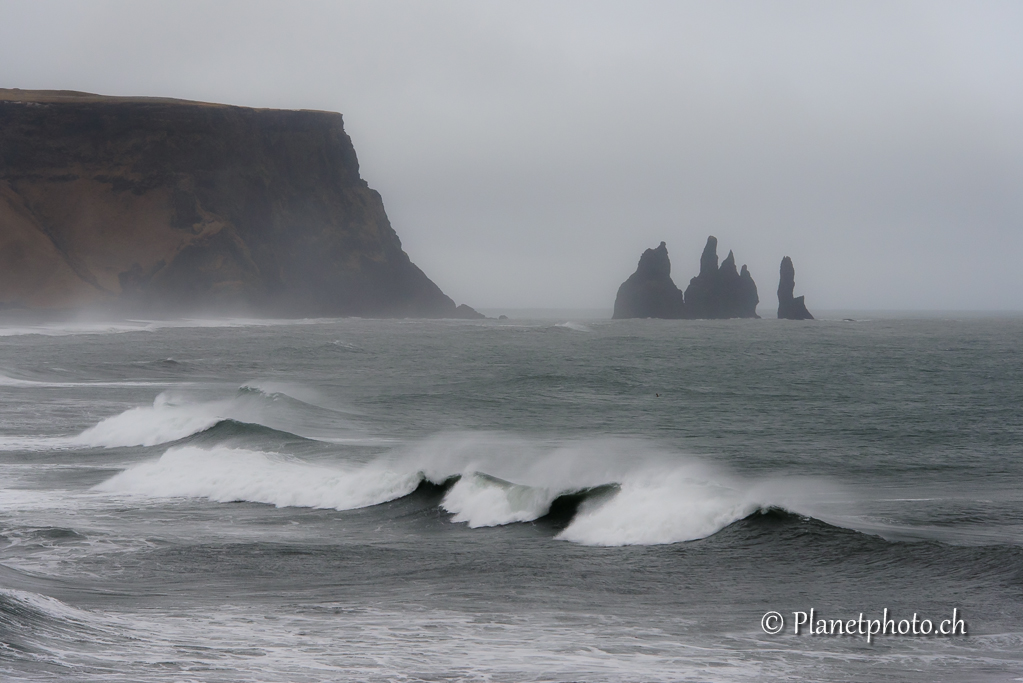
{"points": [[709, 259], [789, 307], [715, 293], [720, 292], [727, 268]]}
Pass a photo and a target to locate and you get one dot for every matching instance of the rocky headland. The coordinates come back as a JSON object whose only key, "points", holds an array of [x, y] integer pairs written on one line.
{"points": [[789, 307], [717, 292], [160, 205]]}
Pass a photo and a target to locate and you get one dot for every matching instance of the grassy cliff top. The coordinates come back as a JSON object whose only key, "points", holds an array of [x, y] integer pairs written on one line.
{"points": [[73, 96], [76, 97]]}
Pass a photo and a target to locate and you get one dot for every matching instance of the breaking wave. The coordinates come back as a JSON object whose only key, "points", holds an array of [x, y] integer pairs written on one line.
{"points": [[575, 327], [231, 474], [26, 611], [7, 381], [621, 492], [168, 419], [254, 409], [173, 417]]}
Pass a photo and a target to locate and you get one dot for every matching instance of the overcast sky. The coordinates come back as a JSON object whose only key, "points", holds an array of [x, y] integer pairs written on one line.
{"points": [[528, 152]]}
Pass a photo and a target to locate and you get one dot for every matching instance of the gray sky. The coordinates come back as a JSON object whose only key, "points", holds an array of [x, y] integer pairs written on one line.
{"points": [[528, 152]]}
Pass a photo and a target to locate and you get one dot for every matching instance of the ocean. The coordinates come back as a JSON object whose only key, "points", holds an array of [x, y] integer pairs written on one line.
{"points": [[512, 500]]}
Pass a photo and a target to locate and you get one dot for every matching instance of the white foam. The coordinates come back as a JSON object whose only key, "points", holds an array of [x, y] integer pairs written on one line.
{"points": [[663, 506], [660, 498], [36, 443], [174, 415], [6, 381], [168, 419], [482, 500], [577, 327], [228, 474], [353, 640], [47, 606]]}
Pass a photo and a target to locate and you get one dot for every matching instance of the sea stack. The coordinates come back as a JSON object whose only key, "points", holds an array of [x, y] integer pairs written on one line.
{"points": [[650, 292], [721, 292], [155, 205], [717, 292], [789, 307]]}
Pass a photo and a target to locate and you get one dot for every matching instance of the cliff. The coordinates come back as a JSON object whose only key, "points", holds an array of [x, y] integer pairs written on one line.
{"points": [[715, 293], [789, 307], [152, 204], [650, 291]]}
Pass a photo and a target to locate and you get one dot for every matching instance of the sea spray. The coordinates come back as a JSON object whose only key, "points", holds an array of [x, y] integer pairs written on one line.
{"points": [[226, 475], [575, 327], [659, 506], [174, 416], [169, 418], [482, 500], [646, 496]]}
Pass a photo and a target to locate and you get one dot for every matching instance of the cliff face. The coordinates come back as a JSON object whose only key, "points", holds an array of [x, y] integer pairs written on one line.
{"points": [[650, 292], [184, 206], [789, 307], [715, 293]]}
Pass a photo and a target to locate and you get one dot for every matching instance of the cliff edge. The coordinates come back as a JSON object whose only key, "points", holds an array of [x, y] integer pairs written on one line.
{"points": [[152, 204]]}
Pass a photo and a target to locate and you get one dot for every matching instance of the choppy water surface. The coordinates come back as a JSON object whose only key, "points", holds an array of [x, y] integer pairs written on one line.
{"points": [[584, 500]]}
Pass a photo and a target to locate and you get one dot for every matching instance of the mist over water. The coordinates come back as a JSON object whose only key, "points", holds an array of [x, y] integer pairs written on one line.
{"points": [[564, 499]]}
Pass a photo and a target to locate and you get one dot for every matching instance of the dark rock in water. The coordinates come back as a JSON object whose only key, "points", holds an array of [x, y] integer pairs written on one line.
{"points": [[650, 291], [464, 312], [721, 292], [502, 317], [715, 293], [162, 205], [789, 307]]}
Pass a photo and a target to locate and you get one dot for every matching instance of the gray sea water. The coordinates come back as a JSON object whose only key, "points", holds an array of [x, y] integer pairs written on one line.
{"points": [[520, 500]]}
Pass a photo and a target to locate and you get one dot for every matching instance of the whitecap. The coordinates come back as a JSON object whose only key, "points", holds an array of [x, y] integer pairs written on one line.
{"points": [[7, 381], [633, 493], [576, 327], [660, 506], [224, 475], [168, 419], [482, 500]]}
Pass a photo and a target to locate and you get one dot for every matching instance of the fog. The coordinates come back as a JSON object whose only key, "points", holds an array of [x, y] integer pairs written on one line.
{"points": [[528, 152]]}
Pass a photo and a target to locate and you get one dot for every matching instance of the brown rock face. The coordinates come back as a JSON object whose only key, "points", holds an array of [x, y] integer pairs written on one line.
{"points": [[166, 205]]}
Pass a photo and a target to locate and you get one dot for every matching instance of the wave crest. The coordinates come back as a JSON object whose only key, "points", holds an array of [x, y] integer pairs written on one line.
{"points": [[168, 419], [658, 507], [482, 500], [621, 492], [226, 475], [173, 417], [574, 326]]}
